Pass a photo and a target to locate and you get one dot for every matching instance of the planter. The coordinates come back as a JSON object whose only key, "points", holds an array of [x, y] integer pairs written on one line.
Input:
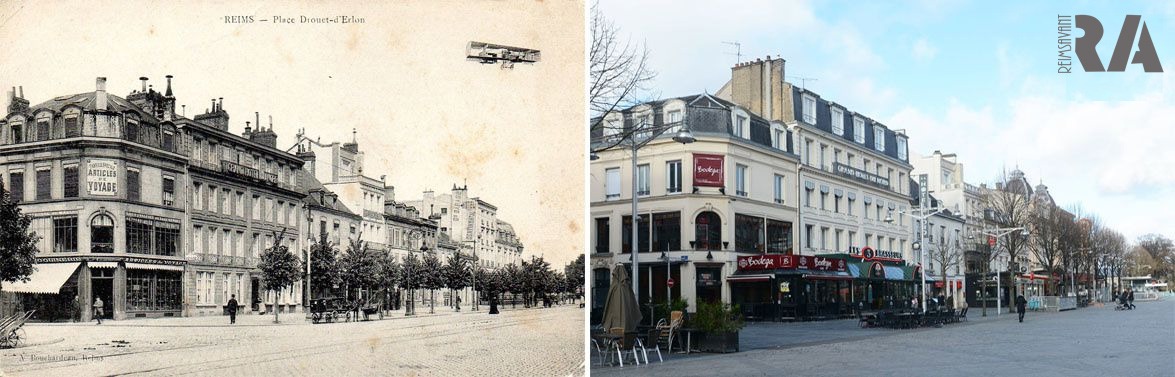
{"points": [[719, 342]]}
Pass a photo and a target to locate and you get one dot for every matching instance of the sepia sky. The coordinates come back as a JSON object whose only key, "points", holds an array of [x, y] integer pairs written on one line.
{"points": [[424, 115]]}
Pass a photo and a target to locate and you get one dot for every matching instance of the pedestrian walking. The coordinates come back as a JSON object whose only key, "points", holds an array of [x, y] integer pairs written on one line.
{"points": [[232, 309], [1130, 298], [98, 309], [493, 305], [1020, 303], [458, 303]]}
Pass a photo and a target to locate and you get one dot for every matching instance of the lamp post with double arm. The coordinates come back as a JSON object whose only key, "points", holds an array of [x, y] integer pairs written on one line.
{"points": [[917, 245]]}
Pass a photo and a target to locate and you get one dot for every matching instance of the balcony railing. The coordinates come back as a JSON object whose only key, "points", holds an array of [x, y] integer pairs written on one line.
{"points": [[227, 260]]}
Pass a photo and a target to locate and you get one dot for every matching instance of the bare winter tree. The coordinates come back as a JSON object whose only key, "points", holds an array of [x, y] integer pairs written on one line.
{"points": [[1009, 208], [1161, 251], [618, 71], [1050, 227], [947, 254]]}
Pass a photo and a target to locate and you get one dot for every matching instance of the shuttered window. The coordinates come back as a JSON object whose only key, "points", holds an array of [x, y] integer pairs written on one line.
{"points": [[43, 185], [132, 185], [70, 180]]}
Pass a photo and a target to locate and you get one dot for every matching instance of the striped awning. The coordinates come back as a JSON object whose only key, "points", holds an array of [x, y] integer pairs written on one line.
{"points": [[146, 266], [102, 264], [48, 278]]}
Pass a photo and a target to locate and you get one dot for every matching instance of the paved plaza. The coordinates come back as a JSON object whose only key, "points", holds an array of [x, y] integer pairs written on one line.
{"points": [[532, 342], [1095, 341]]}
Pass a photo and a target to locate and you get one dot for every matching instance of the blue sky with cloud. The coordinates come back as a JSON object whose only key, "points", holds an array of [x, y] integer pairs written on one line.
{"points": [[965, 77]]}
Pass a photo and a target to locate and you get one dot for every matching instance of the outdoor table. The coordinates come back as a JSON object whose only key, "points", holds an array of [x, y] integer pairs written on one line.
{"points": [[689, 332]]}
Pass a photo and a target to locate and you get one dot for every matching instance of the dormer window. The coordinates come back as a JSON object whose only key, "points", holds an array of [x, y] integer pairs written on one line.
{"points": [[809, 109], [838, 120], [740, 124], [16, 131], [859, 130], [901, 148], [879, 138]]}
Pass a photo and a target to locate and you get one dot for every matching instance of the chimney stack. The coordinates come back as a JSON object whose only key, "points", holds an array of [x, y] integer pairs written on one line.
{"points": [[100, 94], [22, 91], [144, 80], [220, 104], [168, 92]]}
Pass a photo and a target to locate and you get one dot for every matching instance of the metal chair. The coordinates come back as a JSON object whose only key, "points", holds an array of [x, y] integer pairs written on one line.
{"points": [[651, 337]]}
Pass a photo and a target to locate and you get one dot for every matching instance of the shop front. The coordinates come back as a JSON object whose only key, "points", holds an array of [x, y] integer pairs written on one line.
{"points": [[791, 287], [66, 288]]}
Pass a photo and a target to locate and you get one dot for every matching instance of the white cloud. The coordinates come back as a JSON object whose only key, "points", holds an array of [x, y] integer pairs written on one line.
{"points": [[923, 51]]}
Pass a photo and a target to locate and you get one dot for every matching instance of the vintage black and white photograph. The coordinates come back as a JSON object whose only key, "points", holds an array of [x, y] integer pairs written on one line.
{"points": [[265, 188]]}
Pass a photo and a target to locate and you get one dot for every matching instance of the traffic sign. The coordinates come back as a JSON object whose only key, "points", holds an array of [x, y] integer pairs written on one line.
{"points": [[669, 282]]}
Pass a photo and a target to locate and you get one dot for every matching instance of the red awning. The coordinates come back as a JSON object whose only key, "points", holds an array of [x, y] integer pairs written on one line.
{"points": [[747, 278]]}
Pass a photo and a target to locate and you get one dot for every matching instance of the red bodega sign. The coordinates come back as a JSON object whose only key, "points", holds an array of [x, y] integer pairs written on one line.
{"points": [[708, 170], [802, 262]]}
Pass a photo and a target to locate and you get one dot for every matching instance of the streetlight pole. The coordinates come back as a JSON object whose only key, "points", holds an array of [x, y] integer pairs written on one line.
{"points": [[997, 233], [917, 245], [683, 136]]}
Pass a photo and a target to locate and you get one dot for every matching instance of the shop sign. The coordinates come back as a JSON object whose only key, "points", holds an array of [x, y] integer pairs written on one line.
{"points": [[102, 177], [707, 279], [109, 259], [802, 262], [871, 254], [708, 170], [761, 262]]}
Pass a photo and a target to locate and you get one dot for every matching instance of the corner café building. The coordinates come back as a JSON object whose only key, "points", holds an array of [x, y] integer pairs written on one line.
{"points": [[802, 287]]}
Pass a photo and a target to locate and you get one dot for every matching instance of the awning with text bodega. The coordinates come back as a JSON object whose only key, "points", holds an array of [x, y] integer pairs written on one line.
{"points": [[48, 278], [747, 278], [146, 266]]}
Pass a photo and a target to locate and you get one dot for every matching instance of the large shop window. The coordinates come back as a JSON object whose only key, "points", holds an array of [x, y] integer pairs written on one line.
{"points": [[748, 233], [602, 233], [709, 284], [779, 237], [642, 234], [65, 235], [708, 231], [152, 237], [149, 290], [667, 230], [102, 234]]}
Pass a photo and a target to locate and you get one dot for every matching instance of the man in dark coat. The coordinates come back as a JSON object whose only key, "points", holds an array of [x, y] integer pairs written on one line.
{"points": [[493, 305], [232, 309], [1020, 303], [1130, 298]]}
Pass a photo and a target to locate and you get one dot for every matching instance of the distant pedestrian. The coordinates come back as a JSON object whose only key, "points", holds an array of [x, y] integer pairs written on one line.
{"points": [[1020, 303], [232, 309], [1130, 298], [458, 303], [914, 302], [98, 309], [493, 305]]}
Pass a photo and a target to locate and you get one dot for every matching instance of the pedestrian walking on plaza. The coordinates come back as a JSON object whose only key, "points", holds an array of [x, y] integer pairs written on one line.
{"points": [[98, 309], [1020, 303], [493, 305], [232, 309], [458, 303], [1130, 298]]}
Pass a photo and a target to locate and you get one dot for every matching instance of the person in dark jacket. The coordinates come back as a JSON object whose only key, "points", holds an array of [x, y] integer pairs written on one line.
{"points": [[1020, 303], [232, 309], [1130, 298], [493, 305]]}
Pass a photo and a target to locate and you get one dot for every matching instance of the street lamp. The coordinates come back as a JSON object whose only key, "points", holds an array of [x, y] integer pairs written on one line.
{"points": [[917, 245], [414, 234], [997, 233], [683, 136]]}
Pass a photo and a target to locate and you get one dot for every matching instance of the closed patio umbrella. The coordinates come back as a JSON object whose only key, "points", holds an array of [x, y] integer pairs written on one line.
{"points": [[620, 309]]}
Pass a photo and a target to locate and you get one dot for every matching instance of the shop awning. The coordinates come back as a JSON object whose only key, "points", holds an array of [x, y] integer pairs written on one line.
{"points": [[102, 264], [747, 278], [894, 273], [48, 278], [145, 266]]}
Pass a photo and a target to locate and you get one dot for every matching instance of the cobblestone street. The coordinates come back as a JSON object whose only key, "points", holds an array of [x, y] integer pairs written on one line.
{"points": [[1094, 341], [533, 342]]}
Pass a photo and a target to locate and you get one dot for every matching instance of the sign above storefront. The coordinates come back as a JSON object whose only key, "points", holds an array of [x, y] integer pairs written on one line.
{"points": [[102, 177], [708, 170], [870, 254], [799, 262]]}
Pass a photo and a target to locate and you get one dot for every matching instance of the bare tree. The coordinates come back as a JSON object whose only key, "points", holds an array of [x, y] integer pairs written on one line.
{"points": [[1161, 251], [1010, 209], [618, 71], [1050, 228], [947, 254]]}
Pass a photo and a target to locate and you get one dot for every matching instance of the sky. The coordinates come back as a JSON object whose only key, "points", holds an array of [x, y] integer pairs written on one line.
{"points": [[964, 77], [424, 115]]}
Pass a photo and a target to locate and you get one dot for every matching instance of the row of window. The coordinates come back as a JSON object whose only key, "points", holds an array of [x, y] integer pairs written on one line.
{"points": [[71, 182], [143, 236], [226, 201], [837, 240], [838, 127], [47, 127], [820, 158], [211, 152], [870, 210], [664, 233], [231, 242], [217, 288]]}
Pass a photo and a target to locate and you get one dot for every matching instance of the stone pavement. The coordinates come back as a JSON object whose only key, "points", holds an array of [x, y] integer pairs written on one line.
{"points": [[1088, 341], [543, 342]]}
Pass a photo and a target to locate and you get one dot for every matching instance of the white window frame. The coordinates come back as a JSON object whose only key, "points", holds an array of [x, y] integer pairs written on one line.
{"points": [[740, 180], [878, 138], [838, 120], [901, 148], [809, 110], [643, 186], [673, 181], [611, 183], [859, 130], [740, 124], [779, 191]]}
